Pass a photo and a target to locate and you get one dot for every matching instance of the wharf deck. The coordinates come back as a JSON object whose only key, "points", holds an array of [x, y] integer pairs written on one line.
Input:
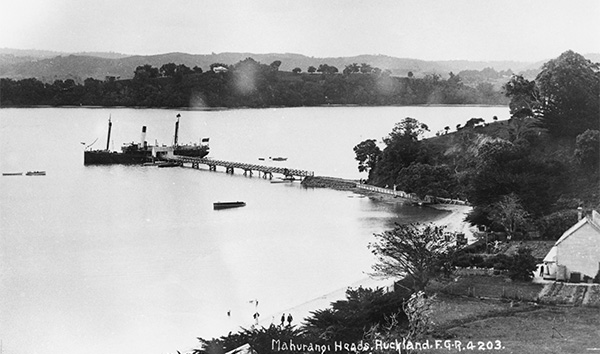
{"points": [[248, 168]]}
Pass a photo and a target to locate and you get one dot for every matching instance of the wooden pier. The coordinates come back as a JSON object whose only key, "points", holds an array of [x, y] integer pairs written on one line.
{"points": [[249, 169]]}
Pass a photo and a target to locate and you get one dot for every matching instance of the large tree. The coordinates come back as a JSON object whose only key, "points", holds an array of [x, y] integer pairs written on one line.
{"points": [[168, 69], [367, 154], [524, 97], [403, 147], [569, 90], [144, 72], [509, 213], [418, 252]]}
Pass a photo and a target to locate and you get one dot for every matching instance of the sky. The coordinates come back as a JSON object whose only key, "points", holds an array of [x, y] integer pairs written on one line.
{"points": [[522, 30]]}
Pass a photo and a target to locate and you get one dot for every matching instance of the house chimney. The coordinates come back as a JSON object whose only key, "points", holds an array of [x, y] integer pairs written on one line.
{"points": [[579, 213]]}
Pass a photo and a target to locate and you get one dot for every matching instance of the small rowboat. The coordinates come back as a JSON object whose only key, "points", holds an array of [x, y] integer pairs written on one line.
{"points": [[227, 205], [35, 173]]}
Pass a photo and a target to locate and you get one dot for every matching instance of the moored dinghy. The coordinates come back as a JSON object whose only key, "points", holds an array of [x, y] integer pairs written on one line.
{"points": [[227, 205], [35, 173]]}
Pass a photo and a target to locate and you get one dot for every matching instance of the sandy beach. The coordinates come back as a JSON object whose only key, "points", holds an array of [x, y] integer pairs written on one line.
{"points": [[455, 220]]}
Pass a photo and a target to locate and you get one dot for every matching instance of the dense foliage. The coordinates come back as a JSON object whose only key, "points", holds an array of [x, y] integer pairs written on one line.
{"points": [[259, 338], [522, 175], [565, 94], [348, 320], [248, 84]]}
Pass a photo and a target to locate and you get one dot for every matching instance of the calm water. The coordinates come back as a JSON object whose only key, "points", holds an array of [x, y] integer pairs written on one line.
{"points": [[119, 259]]}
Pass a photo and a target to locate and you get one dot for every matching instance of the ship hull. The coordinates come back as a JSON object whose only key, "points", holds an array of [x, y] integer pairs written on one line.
{"points": [[115, 158]]}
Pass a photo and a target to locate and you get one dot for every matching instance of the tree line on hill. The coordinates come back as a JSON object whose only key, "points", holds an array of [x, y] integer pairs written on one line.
{"points": [[526, 176], [249, 83]]}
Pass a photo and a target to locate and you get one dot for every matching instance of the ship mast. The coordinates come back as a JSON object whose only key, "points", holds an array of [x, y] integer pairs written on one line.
{"points": [[176, 130], [108, 138]]}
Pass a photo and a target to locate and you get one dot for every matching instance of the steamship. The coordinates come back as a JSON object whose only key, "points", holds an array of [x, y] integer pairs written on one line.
{"points": [[140, 153]]}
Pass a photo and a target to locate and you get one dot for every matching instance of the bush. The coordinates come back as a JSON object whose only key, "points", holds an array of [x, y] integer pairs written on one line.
{"points": [[476, 260], [501, 261], [488, 262], [522, 265], [463, 260]]}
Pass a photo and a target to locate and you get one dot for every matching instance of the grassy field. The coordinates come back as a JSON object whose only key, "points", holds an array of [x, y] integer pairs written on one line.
{"points": [[544, 330], [508, 325]]}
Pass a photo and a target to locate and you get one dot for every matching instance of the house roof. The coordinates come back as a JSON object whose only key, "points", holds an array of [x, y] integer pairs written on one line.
{"points": [[551, 256], [593, 220]]}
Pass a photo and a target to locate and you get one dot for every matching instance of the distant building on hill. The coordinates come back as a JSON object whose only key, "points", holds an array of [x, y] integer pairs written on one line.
{"points": [[219, 69], [576, 254]]}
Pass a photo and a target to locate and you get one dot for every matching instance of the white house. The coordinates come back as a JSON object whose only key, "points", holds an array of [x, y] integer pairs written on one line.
{"points": [[576, 251]]}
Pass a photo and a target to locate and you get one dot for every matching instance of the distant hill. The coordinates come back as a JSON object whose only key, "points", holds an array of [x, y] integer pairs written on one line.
{"points": [[29, 53], [49, 66]]}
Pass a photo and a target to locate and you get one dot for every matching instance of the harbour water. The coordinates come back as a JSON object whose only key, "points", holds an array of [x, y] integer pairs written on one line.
{"points": [[122, 259]]}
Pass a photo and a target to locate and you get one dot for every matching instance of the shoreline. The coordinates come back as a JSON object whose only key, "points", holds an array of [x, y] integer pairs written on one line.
{"points": [[453, 220], [206, 108]]}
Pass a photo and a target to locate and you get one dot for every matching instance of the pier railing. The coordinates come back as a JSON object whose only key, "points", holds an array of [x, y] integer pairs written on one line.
{"points": [[393, 192], [411, 196], [451, 201]]}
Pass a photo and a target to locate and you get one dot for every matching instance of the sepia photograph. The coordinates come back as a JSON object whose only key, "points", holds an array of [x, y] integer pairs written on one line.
{"points": [[299, 177]]}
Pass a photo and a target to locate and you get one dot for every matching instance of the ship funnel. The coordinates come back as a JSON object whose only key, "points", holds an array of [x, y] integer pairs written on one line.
{"points": [[108, 138], [143, 138], [176, 130]]}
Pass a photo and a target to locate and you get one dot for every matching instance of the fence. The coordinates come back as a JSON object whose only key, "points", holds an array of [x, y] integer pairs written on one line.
{"points": [[412, 196]]}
